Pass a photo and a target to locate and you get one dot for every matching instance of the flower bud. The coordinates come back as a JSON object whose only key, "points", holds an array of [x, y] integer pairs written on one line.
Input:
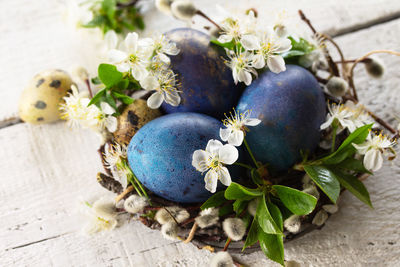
{"points": [[80, 73], [135, 204], [330, 208], [252, 207], [179, 214], [337, 86], [293, 223], [221, 258], [164, 6], [234, 228], [207, 218], [312, 190], [183, 9], [320, 218], [375, 67], [170, 231]]}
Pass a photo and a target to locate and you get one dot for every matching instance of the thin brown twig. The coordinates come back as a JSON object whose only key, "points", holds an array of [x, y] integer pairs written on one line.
{"points": [[228, 241], [342, 59], [123, 194], [200, 13], [191, 233], [170, 214], [89, 88]]}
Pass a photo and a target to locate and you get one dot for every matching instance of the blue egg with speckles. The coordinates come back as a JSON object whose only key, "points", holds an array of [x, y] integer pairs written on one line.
{"points": [[160, 155], [291, 106], [207, 84]]}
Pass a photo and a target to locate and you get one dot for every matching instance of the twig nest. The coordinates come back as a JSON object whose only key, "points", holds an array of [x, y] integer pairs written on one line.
{"points": [[132, 119], [234, 228], [375, 67], [171, 214], [337, 86], [221, 259], [39, 102]]}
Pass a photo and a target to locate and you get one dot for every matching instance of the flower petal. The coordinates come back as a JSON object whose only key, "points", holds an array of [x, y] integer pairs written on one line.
{"points": [[164, 58], [211, 180], [284, 45], [224, 38], [123, 67], [252, 122], [117, 56], [111, 39], [199, 160], [155, 100], [131, 41], [173, 98], [250, 42], [224, 176], [213, 146], [139, 73], [236, 138], [106, 108], [276, 64], [373, 160], [149, 83], [228, 154], [224, 134], [244, 76], [111, 123]]}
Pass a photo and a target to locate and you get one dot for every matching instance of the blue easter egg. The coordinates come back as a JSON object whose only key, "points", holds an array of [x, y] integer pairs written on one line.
{"points": [[291, 106], [207, 85], [160, 155]]}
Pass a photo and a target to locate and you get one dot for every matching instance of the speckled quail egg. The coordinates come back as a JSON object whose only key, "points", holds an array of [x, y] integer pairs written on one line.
{"points": [[132, 119], [39, 102]]}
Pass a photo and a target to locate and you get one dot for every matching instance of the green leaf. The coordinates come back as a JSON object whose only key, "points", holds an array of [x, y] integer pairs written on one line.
{"points": [[346, 148], [139, 22], [264, 218], [325, 179], [239, 205], [230, 45], [111, 101], [302, 45], [96, 80], [97, 97], [355, 186], [275, 214], [237, 191], [214, 201], [351, 164], [124, 98], [293, 53], [109, 7], [255, 176], [97, 21], [272, 246], [225, 210], [109, 74], [252, 235], [296, 201]]}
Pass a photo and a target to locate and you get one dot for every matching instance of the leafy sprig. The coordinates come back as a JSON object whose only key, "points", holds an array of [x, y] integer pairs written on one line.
{"points": [[117, 15]]}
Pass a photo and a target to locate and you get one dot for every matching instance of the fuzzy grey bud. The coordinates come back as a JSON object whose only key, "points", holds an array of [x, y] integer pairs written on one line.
{"points": [[331, 208], [179, 214], [312, 190], [135, 204], [252, 207], [80, 73], [307, 182], [375, 67], [183, 9], [293, 223], [320, 218], [170, 231], [337, 86], [164, 6], [207, 218], [221, 259], [234, 228]]}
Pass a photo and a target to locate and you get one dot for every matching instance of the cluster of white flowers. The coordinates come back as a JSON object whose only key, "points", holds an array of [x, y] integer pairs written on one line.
{"points": [[101, 215], [115, 159], [75, 109], [216, 156], [147, 61], [253, 48]]}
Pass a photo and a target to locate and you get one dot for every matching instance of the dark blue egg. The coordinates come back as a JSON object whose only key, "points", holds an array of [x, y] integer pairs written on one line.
{"points": [[160, 155], [206, 82], [291, 106]]}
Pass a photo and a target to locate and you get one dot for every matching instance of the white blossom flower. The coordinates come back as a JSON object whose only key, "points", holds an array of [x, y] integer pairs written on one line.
{"points": [[212, 160], [236, 127], [373, 149], [342, 115], [115, 159], [101, 215], [234, 228], [80, 12], [135, 203], [360, 117], [163, 47], [220, 259], [233, 27], [171, 214], [317, 58], [134, 58], [170, 231], [268, 50], [165, 87], [207, 218], [242, 66], [75, 109], [293, 223], [320, 218]]}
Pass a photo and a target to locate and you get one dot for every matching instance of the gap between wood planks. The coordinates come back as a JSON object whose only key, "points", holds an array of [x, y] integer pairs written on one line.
{"points": [[347, 30]]}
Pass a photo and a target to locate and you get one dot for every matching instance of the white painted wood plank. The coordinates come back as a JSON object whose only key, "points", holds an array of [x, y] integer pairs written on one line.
{"points": [[34, 35]]}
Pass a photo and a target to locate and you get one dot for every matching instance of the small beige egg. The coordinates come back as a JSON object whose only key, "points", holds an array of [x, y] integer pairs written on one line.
{"points": [[39, 102], [132, 119]]}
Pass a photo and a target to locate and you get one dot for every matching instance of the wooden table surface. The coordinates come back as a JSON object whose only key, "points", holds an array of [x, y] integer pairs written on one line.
{"points": [[46, 170]]}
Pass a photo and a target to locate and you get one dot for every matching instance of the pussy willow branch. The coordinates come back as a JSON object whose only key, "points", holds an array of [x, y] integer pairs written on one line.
{"points": [[200, 13], [342, 59], [332, 66]]}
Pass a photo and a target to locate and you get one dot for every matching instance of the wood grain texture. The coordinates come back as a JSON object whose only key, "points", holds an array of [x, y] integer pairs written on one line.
{"points": [[47, 169]]}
